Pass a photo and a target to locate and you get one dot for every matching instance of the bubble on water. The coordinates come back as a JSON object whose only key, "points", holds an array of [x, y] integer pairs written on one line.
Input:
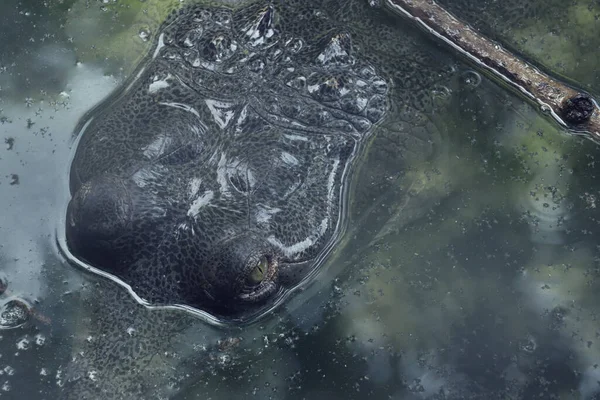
{"points": [[424, 373], [528, 345], [471, 78], [59, 378], [547, 210], [40, 339], [441, 95], [589, 199], [14, 313], [144, 35], [10, 142], [338, 291], [224, 359], [441, 91], [130, 331], [93, 375], [24, 343], [44, 372]]}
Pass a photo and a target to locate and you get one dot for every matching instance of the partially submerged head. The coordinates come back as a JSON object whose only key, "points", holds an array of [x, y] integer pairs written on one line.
{"points": [[215, 180]]}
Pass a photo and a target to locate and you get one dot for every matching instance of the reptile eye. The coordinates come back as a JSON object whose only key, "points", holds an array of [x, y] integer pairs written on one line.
{"points": [[260, 281], [258, 273]]}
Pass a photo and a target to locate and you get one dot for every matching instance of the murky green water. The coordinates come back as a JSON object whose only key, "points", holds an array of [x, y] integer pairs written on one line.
{"points": [[469, 268]]}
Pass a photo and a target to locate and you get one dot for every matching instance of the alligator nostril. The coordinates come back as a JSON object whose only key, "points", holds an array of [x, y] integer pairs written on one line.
{"points": [[219, 48]]}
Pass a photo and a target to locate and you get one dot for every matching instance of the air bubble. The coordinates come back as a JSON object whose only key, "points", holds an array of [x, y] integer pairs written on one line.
{"points": [[144, 35], [59, 378], [14, 313], [10, 142], [40, 339], [224, 359], [528, 345], [93, 376], [441, 92], [471, 78], [441, 95], [23, 343]]}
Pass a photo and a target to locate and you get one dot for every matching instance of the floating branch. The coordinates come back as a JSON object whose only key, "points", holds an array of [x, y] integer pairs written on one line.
{"points": [[573, 109]]}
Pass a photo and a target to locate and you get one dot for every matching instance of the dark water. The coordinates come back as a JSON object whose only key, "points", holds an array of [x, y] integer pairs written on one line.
{"points": [[469, 268]]}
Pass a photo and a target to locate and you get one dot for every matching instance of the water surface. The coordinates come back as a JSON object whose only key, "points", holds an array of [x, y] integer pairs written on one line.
{"points": [[469, 268]]}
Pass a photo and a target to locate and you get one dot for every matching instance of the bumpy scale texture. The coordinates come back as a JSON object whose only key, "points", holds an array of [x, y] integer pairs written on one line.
{"points": [[233, 140], [232, 144]]}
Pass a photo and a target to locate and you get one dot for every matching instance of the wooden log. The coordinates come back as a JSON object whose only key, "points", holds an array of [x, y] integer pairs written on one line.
{"points": [[573, 109]]}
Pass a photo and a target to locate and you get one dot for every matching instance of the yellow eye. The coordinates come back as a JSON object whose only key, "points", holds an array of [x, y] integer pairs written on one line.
{"points": [[258, 273]]}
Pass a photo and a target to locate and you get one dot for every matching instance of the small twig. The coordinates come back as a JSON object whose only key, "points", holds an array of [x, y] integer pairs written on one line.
{"points": [[573, 109]]}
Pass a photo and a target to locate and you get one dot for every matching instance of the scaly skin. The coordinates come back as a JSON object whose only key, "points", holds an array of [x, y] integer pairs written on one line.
{"points": [[166, 185], [231, 146]]}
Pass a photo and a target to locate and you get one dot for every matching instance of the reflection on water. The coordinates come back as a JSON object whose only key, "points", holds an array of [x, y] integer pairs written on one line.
{"points": [[468, 270], [486, 292], [39, 132]]}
